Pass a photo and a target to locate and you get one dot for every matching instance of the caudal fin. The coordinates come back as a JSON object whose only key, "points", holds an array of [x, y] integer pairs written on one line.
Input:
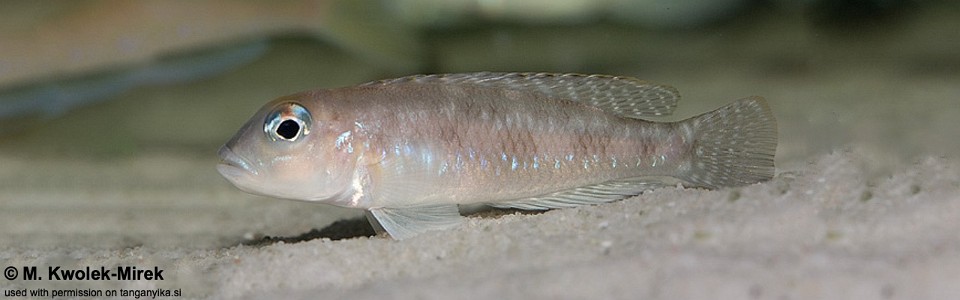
{"points": [[733, 145]]}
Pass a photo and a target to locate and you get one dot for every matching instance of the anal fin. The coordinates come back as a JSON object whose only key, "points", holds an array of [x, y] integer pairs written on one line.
{"points": [[405, 222], [587, 195]]}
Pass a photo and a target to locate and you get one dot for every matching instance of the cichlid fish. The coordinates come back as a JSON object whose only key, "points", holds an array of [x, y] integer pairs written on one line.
{"points": [[410, 150]]}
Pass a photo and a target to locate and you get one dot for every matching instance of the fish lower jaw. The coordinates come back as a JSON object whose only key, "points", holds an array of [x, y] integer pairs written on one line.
{"points": [[239, 177], [231, 172], [230, 160]]}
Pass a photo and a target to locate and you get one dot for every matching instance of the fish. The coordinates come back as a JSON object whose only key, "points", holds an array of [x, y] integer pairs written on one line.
{"points": [[410, 151]]}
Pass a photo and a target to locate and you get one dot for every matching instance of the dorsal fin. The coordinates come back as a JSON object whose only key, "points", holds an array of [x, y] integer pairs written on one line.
{"points": [[623, 96]]}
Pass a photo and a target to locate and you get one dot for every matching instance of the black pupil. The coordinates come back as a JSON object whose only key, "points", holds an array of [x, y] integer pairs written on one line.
{"points": [[288, 129]]}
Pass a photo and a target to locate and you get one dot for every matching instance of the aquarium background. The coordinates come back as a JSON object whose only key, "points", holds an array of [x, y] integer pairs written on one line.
{"points": [[111, 114]]}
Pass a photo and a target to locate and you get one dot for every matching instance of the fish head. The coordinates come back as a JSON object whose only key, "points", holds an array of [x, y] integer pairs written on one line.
{"points": [[292, 149]]}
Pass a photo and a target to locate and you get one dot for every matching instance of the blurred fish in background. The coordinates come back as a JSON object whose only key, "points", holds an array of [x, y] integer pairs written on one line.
{"points": [[659, 14], [59, 55], [664, 14], [48, 99]]}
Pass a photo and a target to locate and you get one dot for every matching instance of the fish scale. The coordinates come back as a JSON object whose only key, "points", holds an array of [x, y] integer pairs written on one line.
{"points": [[515, 145]]}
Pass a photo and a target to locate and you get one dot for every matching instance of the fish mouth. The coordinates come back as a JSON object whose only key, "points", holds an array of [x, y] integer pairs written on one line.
{"points": [[233, 165]]}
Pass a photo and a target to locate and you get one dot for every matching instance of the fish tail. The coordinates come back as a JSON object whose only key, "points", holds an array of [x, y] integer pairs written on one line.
{"points": [[732, 146]]}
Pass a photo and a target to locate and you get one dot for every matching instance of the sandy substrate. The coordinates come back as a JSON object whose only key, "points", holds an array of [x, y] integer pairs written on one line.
{"points": [[827, 228], [865, 203]]}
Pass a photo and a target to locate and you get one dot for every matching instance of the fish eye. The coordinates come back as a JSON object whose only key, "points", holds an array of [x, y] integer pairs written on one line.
{"points": [[288, 129], [288, 122]]}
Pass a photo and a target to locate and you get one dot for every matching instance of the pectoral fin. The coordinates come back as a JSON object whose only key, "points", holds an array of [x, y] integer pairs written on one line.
{"points": [[405, 222]]}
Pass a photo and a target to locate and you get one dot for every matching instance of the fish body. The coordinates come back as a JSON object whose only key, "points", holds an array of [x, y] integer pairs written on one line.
{"points": [[409, 150]]}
